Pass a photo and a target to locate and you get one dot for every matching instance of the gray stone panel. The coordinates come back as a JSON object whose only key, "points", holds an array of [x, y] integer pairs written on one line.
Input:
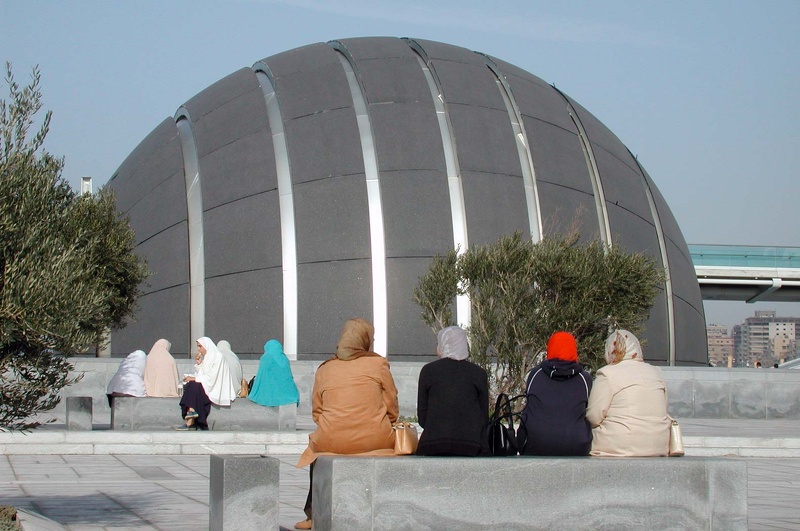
{"points": [[220, 94], [243, 493], [622, 186], [655, 334], [332, 217], [407, 136], [565, 209], [684, 277], [681, 398], [408, 334], [712, 399], [783, 400], [439, 51], [471, 85], [159, 314], [669, 225], [324, 145], [155, 159], [632, 233], [484, 140], [246, 309], [160, 209], [542, 102], [300, 59], [601, 136], [749, 395], [477, 494], [239, 169], [309, 92], [557, 156], [243, 235], [511, 72], [172, 242], [691, 345], [394, 80], [240, 118], [79, 413], [495, 207], [363, 48], [330, 293], [416, 213]]}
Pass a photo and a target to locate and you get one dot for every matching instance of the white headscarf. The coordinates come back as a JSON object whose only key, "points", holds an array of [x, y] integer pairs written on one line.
{"points": [[233, 364], [215, 375], [622, 345], [453, 343], [129, 379]]}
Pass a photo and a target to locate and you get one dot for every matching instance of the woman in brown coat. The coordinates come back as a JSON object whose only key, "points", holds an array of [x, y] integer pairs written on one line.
{"points": [[353, 403], [628, 403]]}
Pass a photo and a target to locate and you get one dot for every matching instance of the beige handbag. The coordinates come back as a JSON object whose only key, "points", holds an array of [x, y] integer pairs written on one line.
{"points": [[675, 439], [405, 438]]}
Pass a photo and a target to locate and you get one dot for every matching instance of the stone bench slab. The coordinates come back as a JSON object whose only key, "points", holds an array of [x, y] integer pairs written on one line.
{"points": [[243, 493], [361, 493], [129, 413]]}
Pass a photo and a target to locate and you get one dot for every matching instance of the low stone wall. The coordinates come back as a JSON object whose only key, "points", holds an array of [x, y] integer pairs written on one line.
{"points": [[722, 393], [703, 392], [360, 493], [153, 414]]}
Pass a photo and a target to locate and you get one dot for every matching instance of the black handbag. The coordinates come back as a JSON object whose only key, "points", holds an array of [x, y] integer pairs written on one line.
{"points": [[503, 441]]}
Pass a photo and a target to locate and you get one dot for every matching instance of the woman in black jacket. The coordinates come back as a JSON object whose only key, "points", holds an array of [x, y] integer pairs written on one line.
{"points": [[453, 400], [557, 396]]}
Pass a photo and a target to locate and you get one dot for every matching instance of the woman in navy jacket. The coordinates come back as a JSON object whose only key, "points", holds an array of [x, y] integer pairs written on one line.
{"points": [[557, 396]]}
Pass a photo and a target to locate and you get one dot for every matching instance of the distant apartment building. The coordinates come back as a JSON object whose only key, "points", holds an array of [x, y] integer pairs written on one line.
{"points": [[720, 346], [765, 338]]}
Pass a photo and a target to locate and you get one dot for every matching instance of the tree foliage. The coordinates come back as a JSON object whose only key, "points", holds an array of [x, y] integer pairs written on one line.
{"points": [[67, 270], [522, 292]]}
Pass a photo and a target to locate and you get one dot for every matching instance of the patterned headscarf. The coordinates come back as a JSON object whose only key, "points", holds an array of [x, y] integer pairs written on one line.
{"points": [[622, 345], [357, 335], [452, 343]]}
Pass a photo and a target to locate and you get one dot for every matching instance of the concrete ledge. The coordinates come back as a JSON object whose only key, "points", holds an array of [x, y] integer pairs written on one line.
{"points": [[360, 493], [243, 493], [128, 413]]}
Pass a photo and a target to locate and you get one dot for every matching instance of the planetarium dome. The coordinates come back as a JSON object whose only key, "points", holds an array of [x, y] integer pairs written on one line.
{"points": [[317, 185]]}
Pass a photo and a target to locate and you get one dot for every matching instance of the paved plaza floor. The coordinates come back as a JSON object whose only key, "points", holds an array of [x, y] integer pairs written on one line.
{"points": [[171, 492]]}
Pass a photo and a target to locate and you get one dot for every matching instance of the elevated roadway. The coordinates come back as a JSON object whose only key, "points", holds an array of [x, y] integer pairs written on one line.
{"points": [[747, 273]]}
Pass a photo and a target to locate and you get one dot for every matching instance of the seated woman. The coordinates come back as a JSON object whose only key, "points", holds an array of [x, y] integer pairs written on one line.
{"points": [[234, 365], [555, 409], [628, 404], [211, 384], [129, 378], [274, 384], [453, 400], [161, 371], [353, 403]]}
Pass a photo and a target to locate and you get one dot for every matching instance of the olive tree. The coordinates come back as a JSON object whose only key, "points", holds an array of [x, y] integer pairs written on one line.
{"points": [[67, 269], [522, 292]]}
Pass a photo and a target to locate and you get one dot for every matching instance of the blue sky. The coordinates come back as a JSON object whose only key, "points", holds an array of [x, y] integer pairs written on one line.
{"points": [[705, 93]]}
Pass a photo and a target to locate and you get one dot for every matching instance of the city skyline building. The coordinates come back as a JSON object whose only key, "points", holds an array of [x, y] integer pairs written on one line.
{"points": [[720, 346], [765, 338]]}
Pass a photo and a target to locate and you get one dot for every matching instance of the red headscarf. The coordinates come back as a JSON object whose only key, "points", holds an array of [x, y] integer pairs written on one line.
{"points": [[562, 346]]}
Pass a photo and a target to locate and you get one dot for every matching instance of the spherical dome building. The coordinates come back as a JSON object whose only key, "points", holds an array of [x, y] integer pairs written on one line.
{"points": [[317, 185]]}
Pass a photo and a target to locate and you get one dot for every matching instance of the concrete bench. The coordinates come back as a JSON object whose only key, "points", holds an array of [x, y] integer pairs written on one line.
{"points": [[79, 413], [243, 493], [361, 493], [129, 413]]}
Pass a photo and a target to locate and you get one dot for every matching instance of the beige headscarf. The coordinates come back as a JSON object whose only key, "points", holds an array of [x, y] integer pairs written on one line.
{"points": [[161, 371], [356, 338], [622, 345]]}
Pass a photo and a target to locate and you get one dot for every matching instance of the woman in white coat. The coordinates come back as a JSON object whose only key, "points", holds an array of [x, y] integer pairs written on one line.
{"points": [[211, 384], [628, 403]]}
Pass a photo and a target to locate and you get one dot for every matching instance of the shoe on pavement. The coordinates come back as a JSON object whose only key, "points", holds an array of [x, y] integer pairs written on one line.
{"points": [[304, 524], [186, 427]]}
